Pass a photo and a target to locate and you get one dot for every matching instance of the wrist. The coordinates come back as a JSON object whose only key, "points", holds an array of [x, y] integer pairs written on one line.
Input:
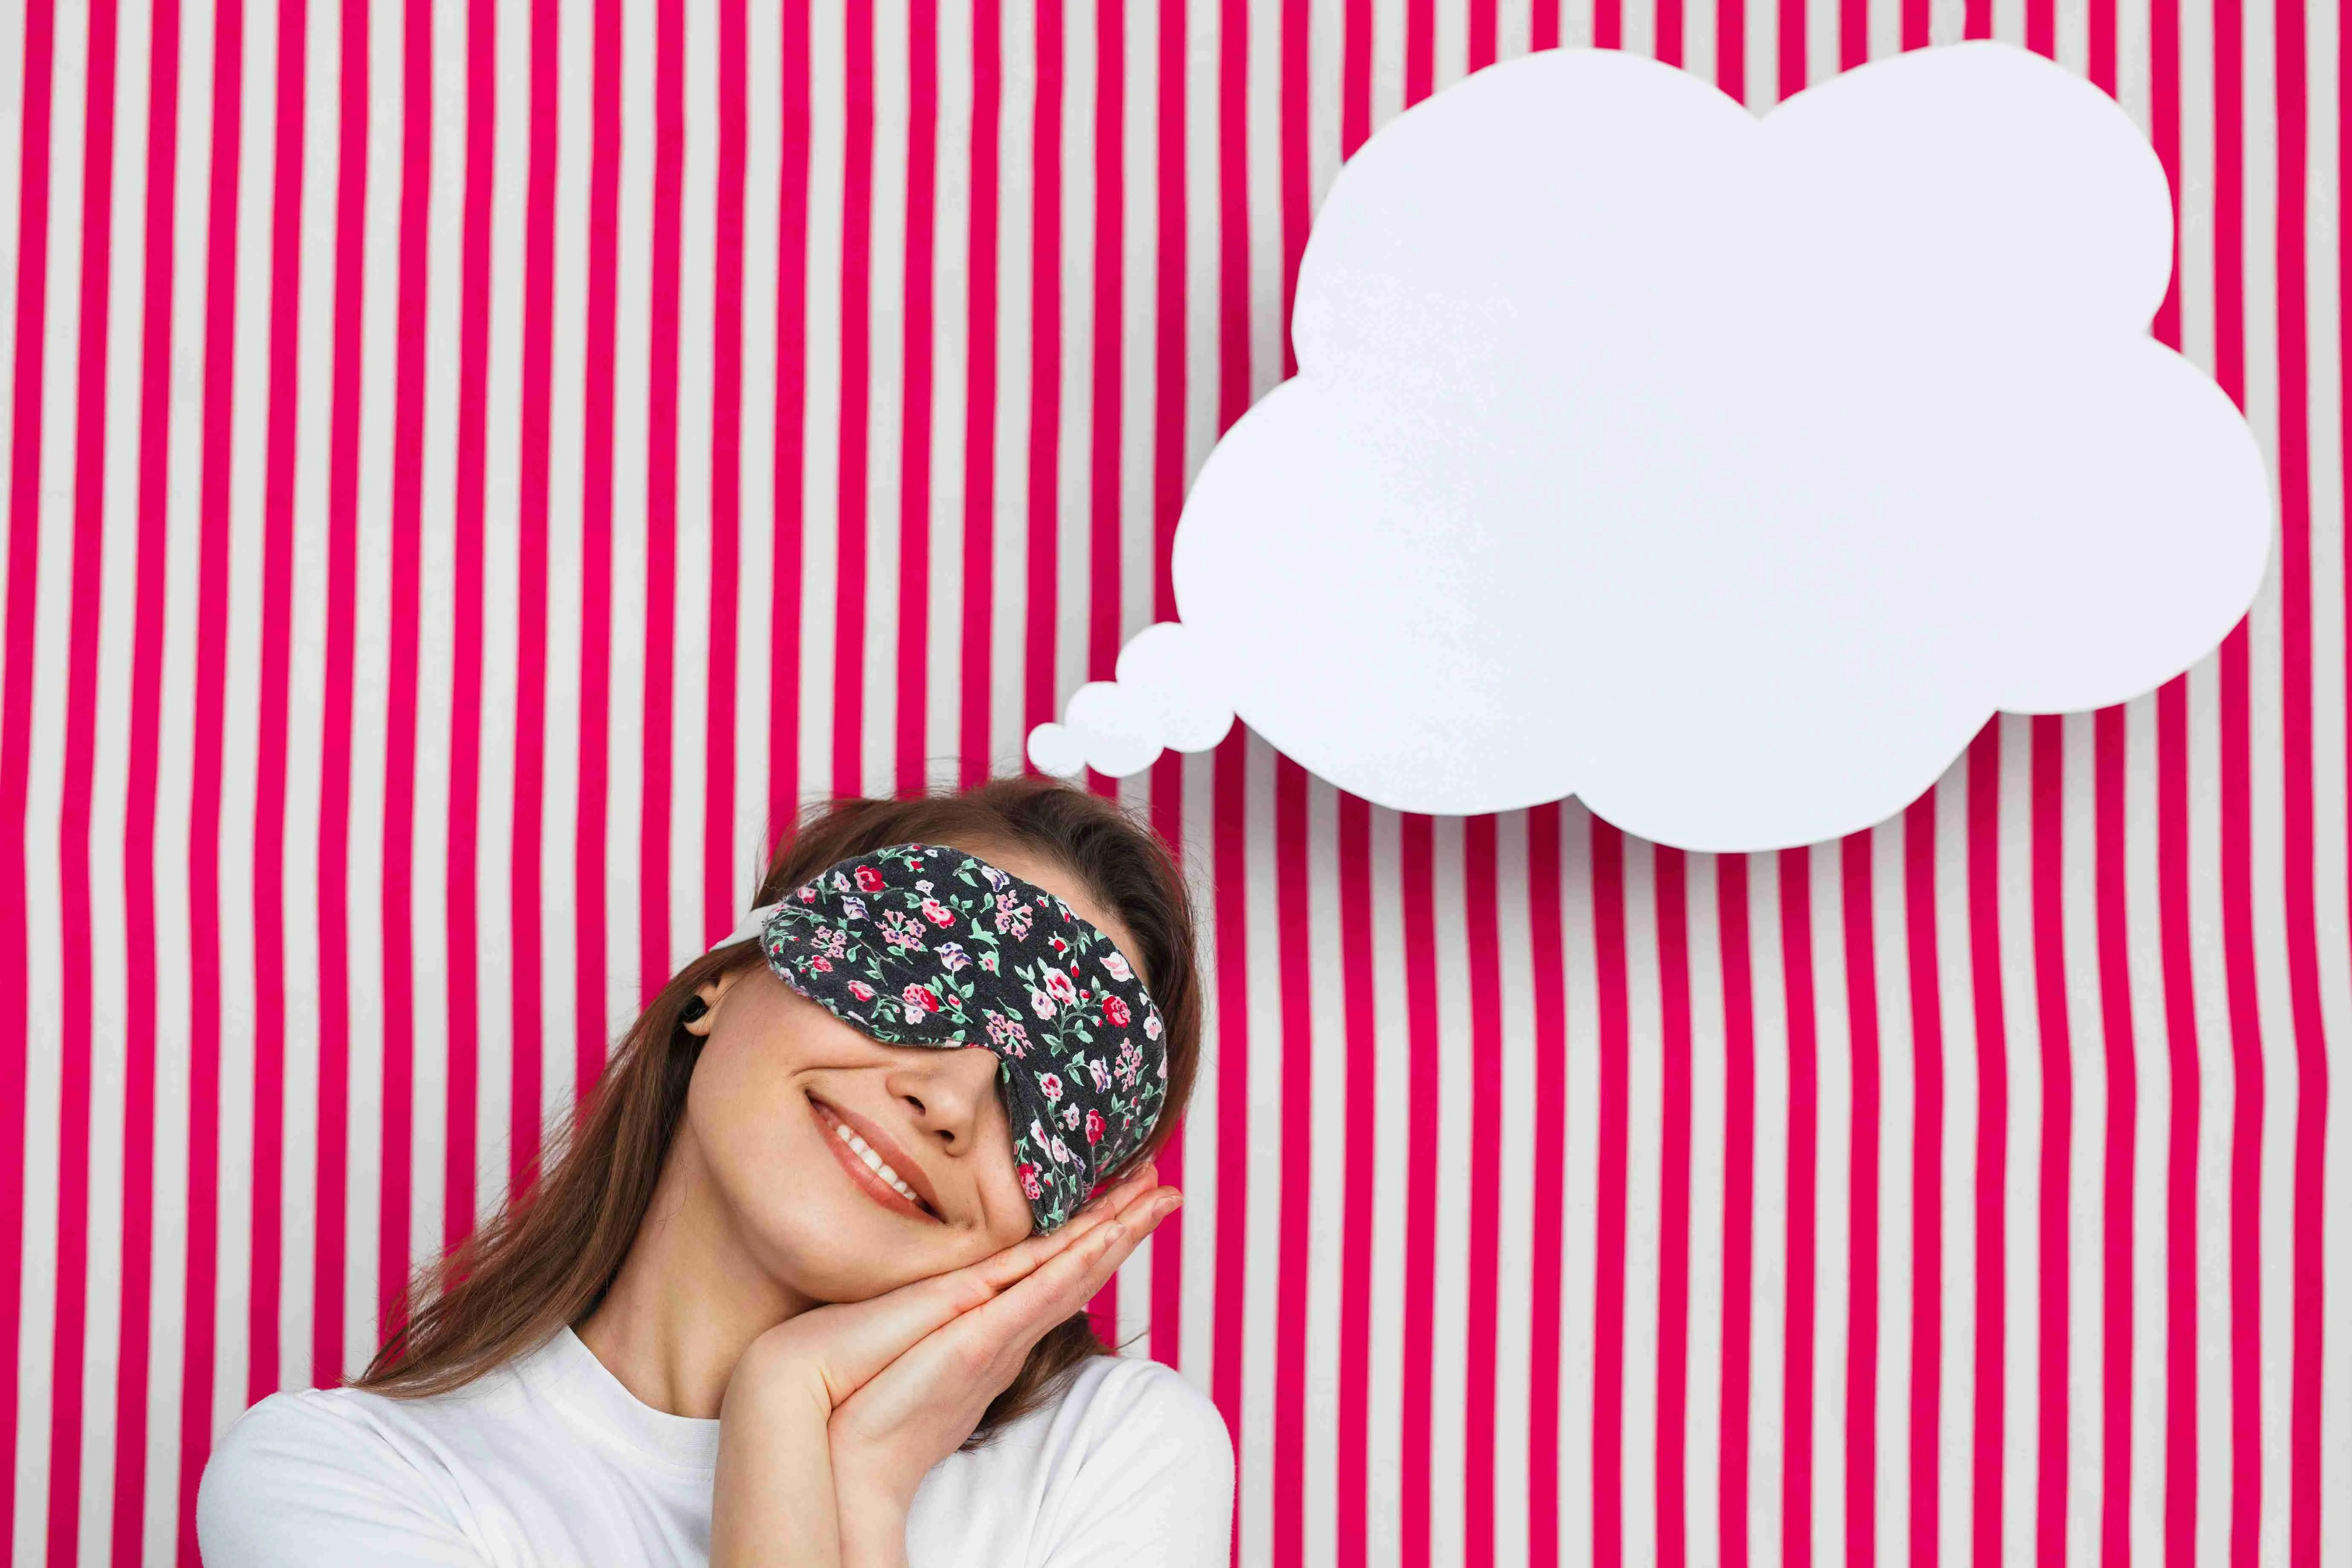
{"points": [[873, 1526]]}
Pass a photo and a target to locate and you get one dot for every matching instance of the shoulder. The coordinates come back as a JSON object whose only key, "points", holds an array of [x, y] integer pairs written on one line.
{"points": [[1137, 1402], [318, 1471], [1149, 1476]]}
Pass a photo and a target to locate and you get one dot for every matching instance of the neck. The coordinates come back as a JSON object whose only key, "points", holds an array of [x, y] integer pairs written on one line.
{"points": [[688, 1301]]}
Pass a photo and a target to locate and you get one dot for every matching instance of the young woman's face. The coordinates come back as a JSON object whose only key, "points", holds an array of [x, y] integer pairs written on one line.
{"points": [[779, 1074]]}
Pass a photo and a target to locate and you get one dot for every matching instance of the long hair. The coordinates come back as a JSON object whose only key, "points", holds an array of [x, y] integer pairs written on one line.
{"points": [[548, 1256]]}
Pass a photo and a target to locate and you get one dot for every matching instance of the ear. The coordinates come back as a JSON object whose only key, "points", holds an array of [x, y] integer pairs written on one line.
{"points": [[710, 991]]}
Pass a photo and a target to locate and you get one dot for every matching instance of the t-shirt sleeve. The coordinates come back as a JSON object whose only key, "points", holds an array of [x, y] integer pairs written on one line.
{"points": [[296, 1479], [1156, 1491]]}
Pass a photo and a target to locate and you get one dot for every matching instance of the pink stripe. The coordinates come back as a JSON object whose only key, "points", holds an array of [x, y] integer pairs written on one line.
{"points": [[1673, 1197], [655, 742], [1993, 1142], [334, 905], [792, 400], [1669, 30], [1044, 515], [1609, 1200], [1796, 1389], [980, 399], [1295, 942], [392, 1208], [1857, 906], [2057, 1135], [856, 259], [1352, 1459], [1045, 377], [1543, 24], [204, 1022], [1421, 48], [467, 801], [1853, 34], [1168, 476], [1482, 935], [1915, 24], [2122, 1064], [2248, 1067], [16, 703], [1927, 1172], [722, 868], [72, 1266], [1356, 76], [2307, 1278], [1297, 200], [913, 701], [1738, 1202], [1417, 877], [133, 1365], [264, 1370], [1229, 854], [1105, 612], [1547, 1362], [587, 929], [1731, 51], [1793, 47], [2173, 924], [1482, 31], [525, 897]]}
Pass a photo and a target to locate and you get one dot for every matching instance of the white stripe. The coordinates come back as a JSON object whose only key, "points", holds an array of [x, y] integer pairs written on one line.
{"points": [[1518, 1129], [762, 625], [1769, 1218], [240, 748], [2022, 1287], [1392, 1178], [1261, 1202], [508, 308], [2086, 1212], [886, 316], [953, 208], [1016, 261], [1703, 1412], [633, 306], [50, 511], [689, 917], [1074, 514], [1579, 1185], [111, 716], [1956, 1469], [1199, 1297], [567, 632], [1642, 1087], [174, 767], [2322, 219], [380, 304]]}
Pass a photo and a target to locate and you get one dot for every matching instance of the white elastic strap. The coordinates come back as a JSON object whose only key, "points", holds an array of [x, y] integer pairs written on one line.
{"points": [[750, 927]]}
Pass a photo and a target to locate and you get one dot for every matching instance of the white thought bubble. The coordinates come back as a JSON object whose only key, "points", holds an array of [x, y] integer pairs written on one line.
{"points": [[1727, 473]]}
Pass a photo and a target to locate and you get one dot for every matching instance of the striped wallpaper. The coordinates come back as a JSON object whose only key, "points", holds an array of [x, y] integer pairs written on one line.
{"points": [[471, 468]]}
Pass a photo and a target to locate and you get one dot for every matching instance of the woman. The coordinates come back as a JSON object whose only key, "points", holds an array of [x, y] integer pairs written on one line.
{"points": [[806, 1287]]}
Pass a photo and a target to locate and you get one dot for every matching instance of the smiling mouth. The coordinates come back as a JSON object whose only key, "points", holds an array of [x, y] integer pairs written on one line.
{"points": [[867, 1179]]}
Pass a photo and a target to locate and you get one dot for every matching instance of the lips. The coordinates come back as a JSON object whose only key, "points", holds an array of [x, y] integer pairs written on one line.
{"points": [[827, 1119]]}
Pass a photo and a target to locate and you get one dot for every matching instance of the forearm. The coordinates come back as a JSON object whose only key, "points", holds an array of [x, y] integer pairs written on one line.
{"points": [[872, 1529], [772, 1498]]}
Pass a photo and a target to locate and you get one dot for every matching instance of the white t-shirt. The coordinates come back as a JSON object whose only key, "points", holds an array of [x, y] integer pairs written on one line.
{"points": [[550, 1459]]}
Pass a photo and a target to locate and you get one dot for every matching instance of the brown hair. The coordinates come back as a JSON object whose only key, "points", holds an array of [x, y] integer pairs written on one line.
{"points": [[548, 1256]]}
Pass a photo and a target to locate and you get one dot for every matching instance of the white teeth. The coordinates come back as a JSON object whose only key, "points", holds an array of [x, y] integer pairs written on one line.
{"points": [[874, 1163]]}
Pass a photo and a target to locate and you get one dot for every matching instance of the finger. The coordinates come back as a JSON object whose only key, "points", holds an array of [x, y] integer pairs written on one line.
{"points": [[1062, 1287]]}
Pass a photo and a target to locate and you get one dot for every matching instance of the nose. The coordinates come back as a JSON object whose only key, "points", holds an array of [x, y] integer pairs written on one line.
{"points": [[957, 1086]]}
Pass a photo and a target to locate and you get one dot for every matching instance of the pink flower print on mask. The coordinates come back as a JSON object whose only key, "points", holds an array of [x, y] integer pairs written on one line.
{"points": [[863, 992], [1116, 967], [938, 913], [1012, 916], [1070, 1118], [1030, 1185], [1151, 1030], [1058, 986], [952, 956], [1115, 1012], [869, 880], [901, 931], [1050, 1085], [919, 1000], [1093, 1128], [1041, 1004]]}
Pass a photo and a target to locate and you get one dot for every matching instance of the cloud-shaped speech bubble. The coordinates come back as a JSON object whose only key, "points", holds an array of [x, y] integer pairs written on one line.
{"points": [[1727, 473]]}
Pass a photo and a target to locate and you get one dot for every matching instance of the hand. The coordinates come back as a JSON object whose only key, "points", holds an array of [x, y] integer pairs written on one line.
{"points": [[954, 1360], [807, 1473]]}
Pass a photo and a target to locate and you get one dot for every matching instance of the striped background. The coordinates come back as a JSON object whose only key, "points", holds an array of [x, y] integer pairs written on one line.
{"points": [[468, 466]]}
